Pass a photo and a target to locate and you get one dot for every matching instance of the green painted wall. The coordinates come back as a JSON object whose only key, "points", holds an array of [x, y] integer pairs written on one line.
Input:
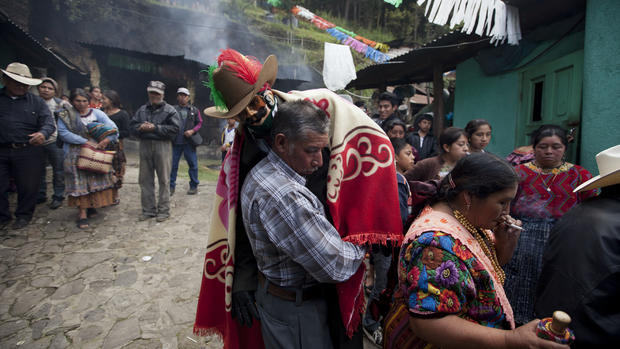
{"points": [[601, 85], [496, 98]]}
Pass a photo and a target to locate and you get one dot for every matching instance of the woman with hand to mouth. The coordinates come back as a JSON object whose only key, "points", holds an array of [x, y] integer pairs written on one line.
{"points": [[545, 194], [451, 283]]}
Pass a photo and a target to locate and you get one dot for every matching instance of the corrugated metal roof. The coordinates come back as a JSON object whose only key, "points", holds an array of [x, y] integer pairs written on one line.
{"points": [[417, 64], [16, 29], [455, 47]]}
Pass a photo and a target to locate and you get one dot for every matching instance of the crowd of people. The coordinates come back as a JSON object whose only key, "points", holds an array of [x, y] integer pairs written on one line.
{"points": [[538, 188], [464, 248], [481, 238], [40, 128]]}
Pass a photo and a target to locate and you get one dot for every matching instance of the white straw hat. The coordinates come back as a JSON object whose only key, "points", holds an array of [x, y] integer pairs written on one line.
{"points": [[20, 73], [608, 162]]}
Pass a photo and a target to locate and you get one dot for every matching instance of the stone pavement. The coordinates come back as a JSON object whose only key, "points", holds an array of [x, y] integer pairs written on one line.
{"points": [[62, 287]]}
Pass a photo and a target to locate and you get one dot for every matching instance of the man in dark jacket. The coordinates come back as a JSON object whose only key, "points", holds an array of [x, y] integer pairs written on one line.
{"points": [[580, 273], [25, 123], [422, 138], [186, 141], [156, 124], [53, 153]]}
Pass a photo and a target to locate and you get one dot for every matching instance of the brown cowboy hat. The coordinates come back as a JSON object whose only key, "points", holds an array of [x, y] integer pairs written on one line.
{"points": [[238, 93]]}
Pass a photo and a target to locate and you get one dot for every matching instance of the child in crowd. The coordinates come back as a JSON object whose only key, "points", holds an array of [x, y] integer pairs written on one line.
{"points": [[228, 136], [404, 161]]}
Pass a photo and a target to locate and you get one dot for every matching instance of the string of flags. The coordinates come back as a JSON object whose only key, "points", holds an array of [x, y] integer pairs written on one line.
{"points": [[371, 49]]}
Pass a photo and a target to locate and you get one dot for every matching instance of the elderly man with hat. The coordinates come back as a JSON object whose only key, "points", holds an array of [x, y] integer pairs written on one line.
{"points": [[48, 89], [580, 273], [156, 123], [186, 141], [25, 123]]}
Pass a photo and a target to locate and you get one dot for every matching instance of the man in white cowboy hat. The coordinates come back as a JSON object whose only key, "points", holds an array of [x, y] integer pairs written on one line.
{"points": [[25, 123], [581, 273], [156, 124]]}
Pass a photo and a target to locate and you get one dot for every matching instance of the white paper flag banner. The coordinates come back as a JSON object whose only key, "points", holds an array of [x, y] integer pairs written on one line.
{"points": [[338, 67], [493, 17]]}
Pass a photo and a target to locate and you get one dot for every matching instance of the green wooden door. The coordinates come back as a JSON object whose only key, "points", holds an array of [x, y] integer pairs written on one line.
{"points": [[551, 94]]}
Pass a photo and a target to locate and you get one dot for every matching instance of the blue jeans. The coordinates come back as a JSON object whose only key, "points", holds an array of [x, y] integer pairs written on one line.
{"points": [[189, 152], [55, 157]]}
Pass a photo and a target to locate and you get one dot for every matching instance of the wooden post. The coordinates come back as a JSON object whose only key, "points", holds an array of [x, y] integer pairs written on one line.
{"points": [[438, 107]]}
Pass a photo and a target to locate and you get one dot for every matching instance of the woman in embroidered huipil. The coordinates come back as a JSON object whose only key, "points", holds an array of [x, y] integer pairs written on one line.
{"points": [[80, 125], [450, 291], [545, 193]]}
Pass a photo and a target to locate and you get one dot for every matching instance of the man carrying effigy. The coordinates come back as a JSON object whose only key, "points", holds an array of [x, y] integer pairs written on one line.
{"points": [[355, 187]]}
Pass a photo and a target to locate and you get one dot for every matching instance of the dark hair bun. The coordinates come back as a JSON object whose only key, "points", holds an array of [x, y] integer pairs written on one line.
{"points": [[481, 174]]}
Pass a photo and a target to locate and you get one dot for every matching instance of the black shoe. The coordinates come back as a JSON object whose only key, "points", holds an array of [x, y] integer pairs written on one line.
{"points": [[192, 191], [41, 200], [20, 223], [83, 223], [4, 223], [171, 191], [162, 218], [55, 204], [144, 217]]}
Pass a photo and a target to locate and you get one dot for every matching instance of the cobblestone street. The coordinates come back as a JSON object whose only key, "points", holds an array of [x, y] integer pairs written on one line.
{"points": [[120, 283]]}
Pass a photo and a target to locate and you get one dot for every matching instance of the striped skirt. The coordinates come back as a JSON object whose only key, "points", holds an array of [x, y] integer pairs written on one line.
{"points": [[524, 268], [86, 189]]}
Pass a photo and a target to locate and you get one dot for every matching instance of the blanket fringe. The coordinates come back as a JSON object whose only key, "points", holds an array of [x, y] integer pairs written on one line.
{"points": [[207, 332], [375, 239], [356, 318]]}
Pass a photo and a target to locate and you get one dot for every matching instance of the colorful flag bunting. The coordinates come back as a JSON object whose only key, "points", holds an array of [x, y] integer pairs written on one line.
{"points": [[371, 49]]}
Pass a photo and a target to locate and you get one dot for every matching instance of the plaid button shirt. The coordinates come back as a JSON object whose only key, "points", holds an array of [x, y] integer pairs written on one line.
{"points": [[294, 244]]}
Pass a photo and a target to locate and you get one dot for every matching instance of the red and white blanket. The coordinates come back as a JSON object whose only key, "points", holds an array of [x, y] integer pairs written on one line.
{"points": [[362, 198]]}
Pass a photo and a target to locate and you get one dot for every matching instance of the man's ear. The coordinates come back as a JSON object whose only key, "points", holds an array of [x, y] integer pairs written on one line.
{"points": [[280, 144]]}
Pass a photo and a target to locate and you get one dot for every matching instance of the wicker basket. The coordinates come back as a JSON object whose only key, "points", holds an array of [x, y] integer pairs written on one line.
{"points": [[95, 160]]}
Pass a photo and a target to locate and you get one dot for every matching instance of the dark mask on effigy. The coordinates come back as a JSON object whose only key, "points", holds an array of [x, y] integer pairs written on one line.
{"points": [[259, 114]]}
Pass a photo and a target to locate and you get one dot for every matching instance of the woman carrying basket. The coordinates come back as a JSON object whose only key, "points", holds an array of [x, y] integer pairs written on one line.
{"points": [[78, 127]]}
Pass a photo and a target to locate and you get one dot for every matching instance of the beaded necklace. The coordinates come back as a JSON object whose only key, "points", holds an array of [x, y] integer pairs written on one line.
{"points": [[554, 170], [485, 242]]}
